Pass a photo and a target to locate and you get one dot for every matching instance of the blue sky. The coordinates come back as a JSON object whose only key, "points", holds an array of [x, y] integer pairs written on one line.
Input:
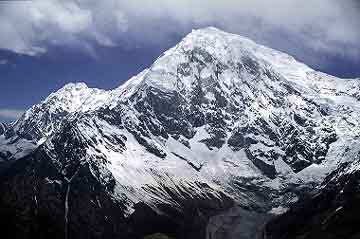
{"points": [[46, 44]]}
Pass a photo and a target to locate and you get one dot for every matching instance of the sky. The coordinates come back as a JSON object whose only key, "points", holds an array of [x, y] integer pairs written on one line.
{"points": [[45, 44]]}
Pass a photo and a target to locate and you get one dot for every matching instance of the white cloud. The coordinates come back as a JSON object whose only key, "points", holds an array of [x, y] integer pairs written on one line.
{"points": [[10, 114], [30, 27]]}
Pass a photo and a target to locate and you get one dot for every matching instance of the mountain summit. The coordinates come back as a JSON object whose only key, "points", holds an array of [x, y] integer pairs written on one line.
{"points": [[217, 122]]}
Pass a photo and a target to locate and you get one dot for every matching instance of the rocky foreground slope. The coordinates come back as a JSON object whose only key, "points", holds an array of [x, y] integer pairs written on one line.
{"points": [[218, 128]]}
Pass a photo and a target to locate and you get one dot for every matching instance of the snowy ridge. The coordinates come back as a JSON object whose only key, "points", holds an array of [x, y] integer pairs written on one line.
{"points": [[74, 97], [217, 109]]}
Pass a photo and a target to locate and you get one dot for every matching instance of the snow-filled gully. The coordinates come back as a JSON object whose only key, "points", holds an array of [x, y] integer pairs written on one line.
{"points": [[66, 202]]}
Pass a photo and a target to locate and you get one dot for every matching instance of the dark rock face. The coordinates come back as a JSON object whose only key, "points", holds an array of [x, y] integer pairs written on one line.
{"points": [[33, 200], [3, 128], [331, 213], [267, 168]]}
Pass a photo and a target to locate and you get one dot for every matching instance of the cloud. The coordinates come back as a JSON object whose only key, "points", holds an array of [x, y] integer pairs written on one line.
{"points": [[3, 61], [322, 26], [10, 114]]}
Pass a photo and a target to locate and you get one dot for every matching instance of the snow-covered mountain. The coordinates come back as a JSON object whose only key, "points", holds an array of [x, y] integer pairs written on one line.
{"points": [[216, 121]]}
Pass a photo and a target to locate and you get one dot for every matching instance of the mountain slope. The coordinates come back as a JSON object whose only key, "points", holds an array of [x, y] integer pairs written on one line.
{"points": [[216, 121], [332, 212]]}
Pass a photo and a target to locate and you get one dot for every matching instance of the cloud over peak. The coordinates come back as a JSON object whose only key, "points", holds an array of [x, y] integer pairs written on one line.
{"points": [[31, 27]]}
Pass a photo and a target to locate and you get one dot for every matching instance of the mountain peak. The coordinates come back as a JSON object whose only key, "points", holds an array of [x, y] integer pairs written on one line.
{"points": [[75, 86], [206, 52], [70, 88], [74, 97], [210, 30]]}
